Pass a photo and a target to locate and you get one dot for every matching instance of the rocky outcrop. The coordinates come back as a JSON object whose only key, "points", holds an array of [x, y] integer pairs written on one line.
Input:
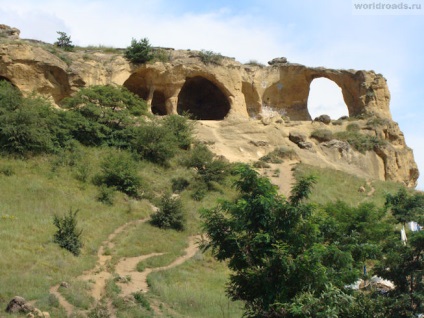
{"points": [[224, 90]]}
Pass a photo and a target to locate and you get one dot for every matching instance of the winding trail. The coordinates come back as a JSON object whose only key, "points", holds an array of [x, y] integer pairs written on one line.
{"points": [[138, 282], [126, 267]]}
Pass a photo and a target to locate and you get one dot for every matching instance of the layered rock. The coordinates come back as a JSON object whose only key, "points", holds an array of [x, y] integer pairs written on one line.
{"points": [[227, 90]]}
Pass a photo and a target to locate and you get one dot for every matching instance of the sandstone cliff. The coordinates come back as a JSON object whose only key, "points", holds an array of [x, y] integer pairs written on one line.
{"points": [[228, 98]]}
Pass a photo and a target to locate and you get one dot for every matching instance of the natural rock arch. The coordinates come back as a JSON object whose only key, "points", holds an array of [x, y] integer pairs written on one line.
{"points": [[326, 98], [202, 99]]}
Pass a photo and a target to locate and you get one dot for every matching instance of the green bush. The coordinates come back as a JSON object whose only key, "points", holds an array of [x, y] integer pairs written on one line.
{"points": [[27, 125], [119, 170], [67, 234], [141, 299], [153, 142], [210, 57], [278, 154], [208, 168], [139, 51], [170, 214], [322, 135], [354, 127], [106, 194], [100, 114], [360, 142], [181, 127], [179, 184]]}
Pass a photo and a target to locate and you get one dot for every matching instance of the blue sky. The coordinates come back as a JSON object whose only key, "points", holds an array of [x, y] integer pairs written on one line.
{"points": [[315, 33]]}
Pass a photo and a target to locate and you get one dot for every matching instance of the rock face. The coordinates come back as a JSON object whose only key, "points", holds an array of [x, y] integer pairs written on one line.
{"points": [[226, 90]]}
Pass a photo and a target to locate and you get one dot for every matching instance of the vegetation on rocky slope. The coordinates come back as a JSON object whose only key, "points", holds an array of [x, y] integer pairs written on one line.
{"points": [[105, 157]]}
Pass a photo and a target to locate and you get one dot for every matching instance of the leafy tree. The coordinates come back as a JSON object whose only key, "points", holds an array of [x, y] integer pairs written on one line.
{"points": [[27, 125], [64, 41], [170, 214], [139, 51], [67, 235], [406, 207], [100, 114], [273, 247]]}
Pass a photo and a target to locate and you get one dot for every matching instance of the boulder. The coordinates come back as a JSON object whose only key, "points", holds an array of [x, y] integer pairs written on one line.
{"points": [[323, 119], [9, 32], [297, 137], [19, 305], [278, 60]]}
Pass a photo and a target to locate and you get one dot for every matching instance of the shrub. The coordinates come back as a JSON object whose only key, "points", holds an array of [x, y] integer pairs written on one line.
{"points": [[100, 114], [28, 127], [64, 41], [210, 57], [119, 170], [360, 142], [179, 184], [67, 235], [182, 128], [139, 51], [153, 142], [353, 127], [10, 97], [254, 63], [322, 135], [106, 194], [141, 299], [208, 169], [170, 214], [278, 154]]}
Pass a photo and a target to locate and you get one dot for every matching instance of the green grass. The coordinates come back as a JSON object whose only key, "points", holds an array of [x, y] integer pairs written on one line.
{"points": [[337, 185], [196, 288], [33, 190]]}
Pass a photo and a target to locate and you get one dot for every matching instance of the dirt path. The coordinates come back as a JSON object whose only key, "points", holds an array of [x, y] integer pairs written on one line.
{"points": [[101, 273], [62, 301], [138, 282], [126, 267]]}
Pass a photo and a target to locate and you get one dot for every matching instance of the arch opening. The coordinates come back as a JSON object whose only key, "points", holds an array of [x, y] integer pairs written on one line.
{"points": [[202, 99], [326, 98], [159, 103], [252, 99]]}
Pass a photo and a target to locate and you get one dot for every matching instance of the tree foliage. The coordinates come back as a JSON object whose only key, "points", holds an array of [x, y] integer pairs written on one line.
{"points": [[119, 170], [139, 51], [64, 41], [68, 236], [273, 246], [170, 214]]}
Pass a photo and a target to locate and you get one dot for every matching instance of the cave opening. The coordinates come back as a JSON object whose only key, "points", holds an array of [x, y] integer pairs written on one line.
{"points": [[159, 104], [202, 100], [326, 98]]}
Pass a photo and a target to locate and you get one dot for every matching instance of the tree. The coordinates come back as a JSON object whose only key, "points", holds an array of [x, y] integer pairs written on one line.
{"points": [[274, 248], [67, 234], [406, 207], [64, 41], [139, 51]]}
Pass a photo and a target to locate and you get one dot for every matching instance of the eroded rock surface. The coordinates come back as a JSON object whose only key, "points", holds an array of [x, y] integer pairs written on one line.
{"points": [[226, 90]]}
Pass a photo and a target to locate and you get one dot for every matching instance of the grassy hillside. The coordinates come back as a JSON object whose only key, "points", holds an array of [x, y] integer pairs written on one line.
{"points": [[114, 165]]}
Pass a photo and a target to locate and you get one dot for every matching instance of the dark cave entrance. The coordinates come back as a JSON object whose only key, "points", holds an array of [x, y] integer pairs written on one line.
{"points": [[203, 100], [159, 104]]}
